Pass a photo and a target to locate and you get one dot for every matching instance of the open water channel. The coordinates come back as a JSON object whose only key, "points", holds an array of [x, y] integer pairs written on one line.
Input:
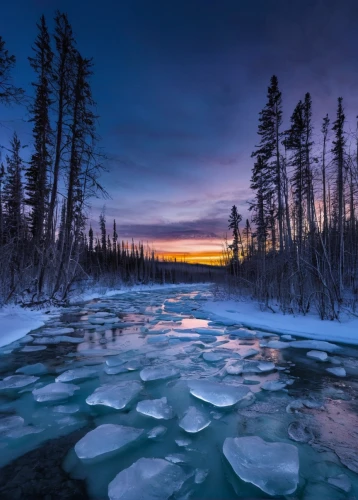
{"points": [[146, 396]]}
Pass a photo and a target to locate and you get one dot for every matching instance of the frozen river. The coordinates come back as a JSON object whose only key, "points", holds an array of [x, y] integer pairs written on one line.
{"points": [[146, 396]]}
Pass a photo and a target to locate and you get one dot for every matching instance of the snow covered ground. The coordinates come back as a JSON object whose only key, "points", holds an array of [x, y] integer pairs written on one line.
{"points": [[16, 322], [249, 314]]}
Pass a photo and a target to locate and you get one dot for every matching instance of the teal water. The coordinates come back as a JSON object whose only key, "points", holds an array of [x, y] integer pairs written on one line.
{"points": [[168, 328]]}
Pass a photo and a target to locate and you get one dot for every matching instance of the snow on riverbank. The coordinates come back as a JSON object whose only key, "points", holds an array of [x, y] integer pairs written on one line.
{"points": [[311, 327], [16, 322]]}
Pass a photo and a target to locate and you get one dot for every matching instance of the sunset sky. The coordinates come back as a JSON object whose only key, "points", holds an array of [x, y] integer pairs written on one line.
{"points": [[179, 85]]}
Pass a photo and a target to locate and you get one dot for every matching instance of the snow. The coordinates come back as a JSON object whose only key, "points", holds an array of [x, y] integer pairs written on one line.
{"points": [[16, 322], [272, 467], [249, 314]]}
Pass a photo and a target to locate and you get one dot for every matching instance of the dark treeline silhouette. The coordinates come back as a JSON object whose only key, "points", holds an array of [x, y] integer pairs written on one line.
{"points": [[302, 249], [109, 260]]}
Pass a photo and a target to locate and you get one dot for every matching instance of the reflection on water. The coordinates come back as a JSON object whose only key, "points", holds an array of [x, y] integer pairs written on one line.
{"points": [[121, 335]]}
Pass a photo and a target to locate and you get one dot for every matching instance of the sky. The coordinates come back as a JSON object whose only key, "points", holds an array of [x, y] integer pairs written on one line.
{"points": [[179, 86]]}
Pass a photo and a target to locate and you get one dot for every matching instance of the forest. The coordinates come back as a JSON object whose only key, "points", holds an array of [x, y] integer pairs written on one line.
{"points": [[298, 250], [302, 250]]}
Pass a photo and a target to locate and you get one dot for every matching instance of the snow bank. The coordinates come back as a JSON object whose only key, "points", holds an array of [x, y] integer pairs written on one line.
{"points": [[16, 322], [249, 315]]}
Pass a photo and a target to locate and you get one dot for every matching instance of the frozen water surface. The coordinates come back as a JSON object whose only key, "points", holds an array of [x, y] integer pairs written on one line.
{"points": [[202, 371]]}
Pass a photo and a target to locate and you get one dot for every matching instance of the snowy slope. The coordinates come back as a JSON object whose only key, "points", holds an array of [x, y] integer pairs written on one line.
{"points": [[250, 315]]}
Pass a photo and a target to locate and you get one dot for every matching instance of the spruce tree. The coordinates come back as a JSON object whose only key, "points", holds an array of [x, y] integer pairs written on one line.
{"points": [[234, 221], [9, 93], [270, 122], [338, 151], [37, 188], [13, 191]]}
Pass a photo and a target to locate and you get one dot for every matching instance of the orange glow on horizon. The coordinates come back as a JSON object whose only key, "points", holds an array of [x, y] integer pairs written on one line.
{"points": [[193, 251]]}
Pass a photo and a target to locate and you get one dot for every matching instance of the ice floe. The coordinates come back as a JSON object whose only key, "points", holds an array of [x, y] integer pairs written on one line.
{"points": [[152, 478], [117, 395], [156, 408], [194, 420], [272, 467], [152, 373], [105, 440], [54, 392], [218, 394]]}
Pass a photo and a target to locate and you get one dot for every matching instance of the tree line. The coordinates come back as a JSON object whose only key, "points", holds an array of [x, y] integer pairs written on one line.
{"points": [[300, 247], [45, 246]]}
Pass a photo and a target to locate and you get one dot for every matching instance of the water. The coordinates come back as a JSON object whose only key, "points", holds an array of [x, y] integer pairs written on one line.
{"points": [[136, 331]]}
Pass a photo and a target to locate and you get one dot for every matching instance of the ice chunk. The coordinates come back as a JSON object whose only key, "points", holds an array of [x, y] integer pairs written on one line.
{"points": [[212, 357], [117, 395], [9, 423], [105, 440], [249, 353], [194, 420], [319, 345], [337, 371], [77, 374], [54, 392], [273, 385], [115, 361], [33, 348], [341, 482], [26, 430], [266, 366], [58, 340], [158, 339], [209, 331], [151, 373], [115, 370], [157, 432], [176, 458], [156, 408], [234, 368], [149, 478], [183, 442], [16, 382], [241, 334], [272, 467], [55, 331], [201, 475], [67, 409], [277, 344], [36, 369], [319, 355], [220, 395], [299, 432]]}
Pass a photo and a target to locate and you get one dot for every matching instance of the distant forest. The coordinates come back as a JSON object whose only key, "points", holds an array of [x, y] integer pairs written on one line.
{"points": [[302, 250], [299, 250]]}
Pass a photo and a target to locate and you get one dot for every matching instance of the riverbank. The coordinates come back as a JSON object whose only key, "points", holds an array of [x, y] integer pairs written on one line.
{"points": [[249, 314]]}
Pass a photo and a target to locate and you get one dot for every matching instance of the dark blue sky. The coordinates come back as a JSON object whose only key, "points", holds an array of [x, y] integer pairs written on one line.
{"points": [[179, 85]]}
